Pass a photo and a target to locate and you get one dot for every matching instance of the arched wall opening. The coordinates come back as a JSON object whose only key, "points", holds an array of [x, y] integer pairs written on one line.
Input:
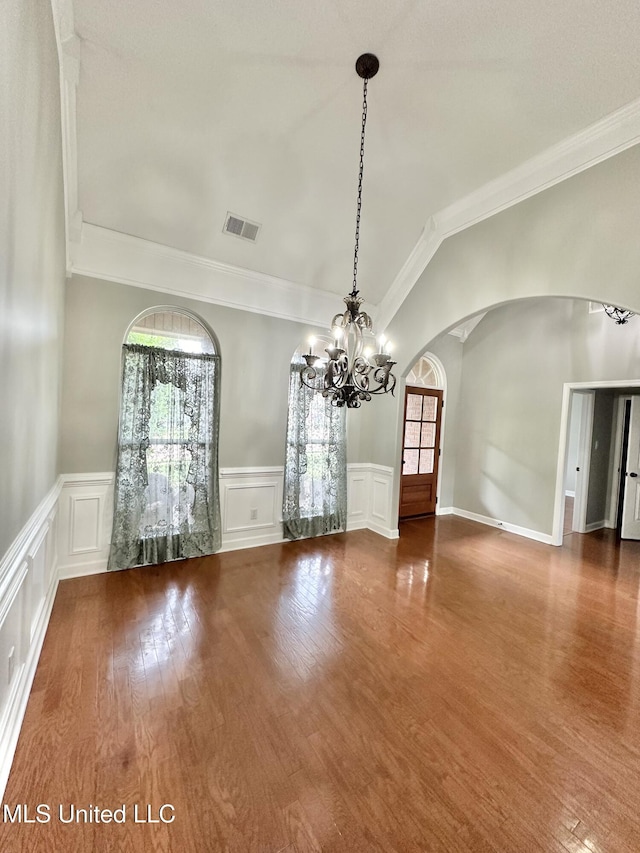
{"points": [[504, 405]]}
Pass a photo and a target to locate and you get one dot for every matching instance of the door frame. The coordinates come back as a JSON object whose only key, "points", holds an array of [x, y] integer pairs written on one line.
{"points": [[567, 389], [579, 522], [436, 394], [618, 433], [440, 510]]}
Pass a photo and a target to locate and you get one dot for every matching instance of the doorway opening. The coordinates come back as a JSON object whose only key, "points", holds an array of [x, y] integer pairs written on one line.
{"points": [[599, 460], [422, 432]]}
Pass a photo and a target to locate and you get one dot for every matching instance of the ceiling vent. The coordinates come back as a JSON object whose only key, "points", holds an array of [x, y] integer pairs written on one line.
{"points": [[241, 227]]}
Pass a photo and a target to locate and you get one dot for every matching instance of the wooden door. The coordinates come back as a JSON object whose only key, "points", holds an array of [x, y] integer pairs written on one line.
{"points": [[631, 505], [420, 451]]}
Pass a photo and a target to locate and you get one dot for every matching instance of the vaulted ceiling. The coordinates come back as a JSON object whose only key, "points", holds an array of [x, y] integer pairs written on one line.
{"points": [[188, 110]]}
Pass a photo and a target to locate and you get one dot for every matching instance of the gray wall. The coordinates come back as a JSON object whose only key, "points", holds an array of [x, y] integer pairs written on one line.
{"points": [[256, 352], [32, 265], [576, 239], [599, 469], [508, 425]]}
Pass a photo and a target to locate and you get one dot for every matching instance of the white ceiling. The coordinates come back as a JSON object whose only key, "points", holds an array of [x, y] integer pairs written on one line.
{"points": [[187, 110]]}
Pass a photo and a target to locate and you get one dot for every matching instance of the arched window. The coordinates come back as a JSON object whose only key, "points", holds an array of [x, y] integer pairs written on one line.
{"points": [[426, 373], [315, 469], [168, 328], [166, 503]]}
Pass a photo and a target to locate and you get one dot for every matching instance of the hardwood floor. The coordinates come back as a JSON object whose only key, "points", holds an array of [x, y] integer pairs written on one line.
{"points": [[461, 689]]}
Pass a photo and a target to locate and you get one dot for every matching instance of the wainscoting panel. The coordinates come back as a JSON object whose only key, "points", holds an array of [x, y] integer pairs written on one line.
{"points": [[85, 518], [381, 503], [28, 582], [251, 506], [369, 499], [84, 523], [358, 490]]}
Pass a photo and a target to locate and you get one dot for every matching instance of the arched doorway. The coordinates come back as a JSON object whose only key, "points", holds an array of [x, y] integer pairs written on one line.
{"points": [[422, 437]]}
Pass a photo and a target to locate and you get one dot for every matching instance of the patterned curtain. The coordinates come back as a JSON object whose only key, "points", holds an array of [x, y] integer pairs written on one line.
{"points": [[166, 491], [315, 470]]}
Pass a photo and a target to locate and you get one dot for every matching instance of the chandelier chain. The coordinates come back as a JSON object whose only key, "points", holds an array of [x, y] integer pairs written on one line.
{"points": [[359, 205], [352, 373]]}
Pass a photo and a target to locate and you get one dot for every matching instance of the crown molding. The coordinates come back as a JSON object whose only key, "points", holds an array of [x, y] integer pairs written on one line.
{"points": [[113, 256], [463, 331], [68, 48], [90, 249], [598, 142], [421, 254]]}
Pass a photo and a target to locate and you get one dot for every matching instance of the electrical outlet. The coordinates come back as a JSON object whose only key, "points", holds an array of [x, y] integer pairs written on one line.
{"points": [[11, 664], [253, 514]]}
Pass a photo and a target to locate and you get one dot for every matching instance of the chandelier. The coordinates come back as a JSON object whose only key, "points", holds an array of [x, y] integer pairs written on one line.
{"points": [[620, 315], [352, 371]]}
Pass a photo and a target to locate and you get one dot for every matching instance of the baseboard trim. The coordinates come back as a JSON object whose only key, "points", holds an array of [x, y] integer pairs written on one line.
{"points": [[595, 525], [445, 510], [95, 567], [569, 494], [536, 535], [251, 542], [98, 567], [387, 532]]}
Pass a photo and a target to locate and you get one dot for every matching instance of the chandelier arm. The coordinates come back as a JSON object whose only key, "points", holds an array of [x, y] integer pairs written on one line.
{"points": [[385, 379], [619, 315], [307, 376]]}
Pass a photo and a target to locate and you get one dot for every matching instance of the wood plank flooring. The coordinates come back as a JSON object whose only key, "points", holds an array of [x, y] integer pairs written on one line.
{"points": [[460, 690]]}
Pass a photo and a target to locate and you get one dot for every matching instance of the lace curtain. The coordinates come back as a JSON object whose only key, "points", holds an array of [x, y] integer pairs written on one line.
{"points": [[315, 470], [166, 491]]}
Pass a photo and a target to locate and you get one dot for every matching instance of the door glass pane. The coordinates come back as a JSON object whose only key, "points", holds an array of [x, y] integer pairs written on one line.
{"points": [[410, 465], [426, 461], [414, 407], [429, 408], [428, 437], [411, 434]]}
